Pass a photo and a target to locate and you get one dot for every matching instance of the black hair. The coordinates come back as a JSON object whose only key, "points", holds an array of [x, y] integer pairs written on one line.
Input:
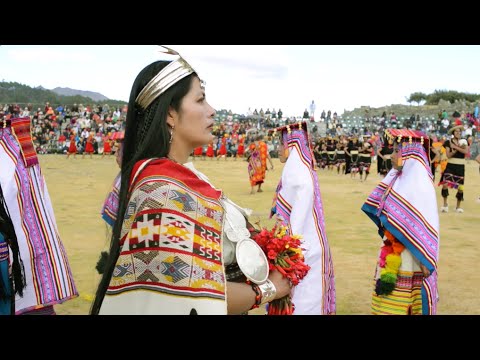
{"points": [[146, 136], [7, 229]]}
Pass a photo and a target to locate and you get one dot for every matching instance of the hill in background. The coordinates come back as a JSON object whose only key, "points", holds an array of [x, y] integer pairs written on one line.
{"points": [[16, 93], [74, 92]]}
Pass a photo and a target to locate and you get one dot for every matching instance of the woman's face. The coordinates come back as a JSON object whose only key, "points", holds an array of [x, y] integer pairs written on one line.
{"points": [[457, 134], [282, 154], [397, 153], [193, 124]]}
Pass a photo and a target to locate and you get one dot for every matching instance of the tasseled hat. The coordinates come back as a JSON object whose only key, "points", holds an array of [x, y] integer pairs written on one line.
{"points": [[403, 136], [287, 129]]}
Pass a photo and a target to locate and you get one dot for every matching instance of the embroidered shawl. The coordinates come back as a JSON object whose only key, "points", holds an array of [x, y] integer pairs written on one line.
{"points": [[405, 204], [298, 204], [171, 252]]}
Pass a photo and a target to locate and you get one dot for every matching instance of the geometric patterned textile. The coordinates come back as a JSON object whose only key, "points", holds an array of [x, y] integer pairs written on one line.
{"points": [[171, 237]]}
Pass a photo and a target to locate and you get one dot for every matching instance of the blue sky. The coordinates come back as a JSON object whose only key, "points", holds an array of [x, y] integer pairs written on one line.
{"points": [[238, 77]]}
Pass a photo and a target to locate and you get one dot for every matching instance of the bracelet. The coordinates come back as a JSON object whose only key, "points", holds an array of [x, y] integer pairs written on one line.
{"points": [[258, 294], [269, 291]]}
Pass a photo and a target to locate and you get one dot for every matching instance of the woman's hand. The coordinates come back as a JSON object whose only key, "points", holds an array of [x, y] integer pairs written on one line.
{"points": [[282, 284], [425, 271]]}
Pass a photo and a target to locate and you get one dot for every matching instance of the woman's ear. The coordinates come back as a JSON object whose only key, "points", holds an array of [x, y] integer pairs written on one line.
{"points": [[171, 117]]}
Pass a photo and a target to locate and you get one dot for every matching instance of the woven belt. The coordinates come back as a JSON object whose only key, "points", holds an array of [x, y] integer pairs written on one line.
{"points": [[456, 161]]}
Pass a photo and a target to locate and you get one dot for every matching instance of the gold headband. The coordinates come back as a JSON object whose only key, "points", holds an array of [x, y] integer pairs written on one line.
{"points": [[170, 75]]}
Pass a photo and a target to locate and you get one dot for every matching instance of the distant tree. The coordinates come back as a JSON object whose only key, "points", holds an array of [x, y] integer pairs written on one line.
{"points": [[417, 97], [450, 96]]}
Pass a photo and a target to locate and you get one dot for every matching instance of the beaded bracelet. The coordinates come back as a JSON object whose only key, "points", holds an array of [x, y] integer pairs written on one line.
{"points": [[258, 294]]}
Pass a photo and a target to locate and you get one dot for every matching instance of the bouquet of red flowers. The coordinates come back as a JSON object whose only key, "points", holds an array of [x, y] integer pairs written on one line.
{"points": [[284, 254]]}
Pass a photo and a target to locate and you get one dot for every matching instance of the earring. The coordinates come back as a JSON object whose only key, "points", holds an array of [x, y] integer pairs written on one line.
{"points": [[171, 134]]}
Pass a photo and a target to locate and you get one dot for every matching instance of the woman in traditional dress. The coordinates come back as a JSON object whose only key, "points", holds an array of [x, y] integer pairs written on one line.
{"points": [[340, 158], [41, 275], [454, 175], [404, 209], [385, 155], [257, 163], [210, 152], [89, 146], [241, 146], [72, 148], [365, 160], [222, 152], [351, 166], [331, 147], [197, 152], [179, 245], [298, 205], [107, 146]]}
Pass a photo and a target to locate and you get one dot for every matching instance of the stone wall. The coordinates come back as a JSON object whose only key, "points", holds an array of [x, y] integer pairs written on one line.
{"points": [[406, 111]]}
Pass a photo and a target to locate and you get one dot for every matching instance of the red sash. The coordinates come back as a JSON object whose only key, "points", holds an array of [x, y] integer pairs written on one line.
{"points": [[21, 130]]}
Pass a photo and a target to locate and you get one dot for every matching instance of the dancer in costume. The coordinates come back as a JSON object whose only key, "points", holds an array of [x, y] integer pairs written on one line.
{"points": [[352, 157], [365, 160], [257, 163], [29, 227], [340, 158], [404, 209], [298, 205], [384, 154], [454, 175]]}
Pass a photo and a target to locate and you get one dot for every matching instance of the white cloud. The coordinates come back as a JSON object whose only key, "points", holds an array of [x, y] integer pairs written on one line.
{"points": [[258, 76], [49, 55]]}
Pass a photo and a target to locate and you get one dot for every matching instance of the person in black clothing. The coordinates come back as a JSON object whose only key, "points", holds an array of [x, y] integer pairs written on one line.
{"points": [[351, 160], [365, 160], [340, 157], [454, 174], [305, 114], [384, 157]]}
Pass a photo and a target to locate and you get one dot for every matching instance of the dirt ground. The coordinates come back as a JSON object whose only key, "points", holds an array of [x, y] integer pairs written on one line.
{"points": [[78, 188]]}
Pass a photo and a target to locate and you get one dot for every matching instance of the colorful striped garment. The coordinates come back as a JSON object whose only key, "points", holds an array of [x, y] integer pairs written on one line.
{"points": [[298, 205], [257, 164], [405, 204], [49, 279], [110, 206]]}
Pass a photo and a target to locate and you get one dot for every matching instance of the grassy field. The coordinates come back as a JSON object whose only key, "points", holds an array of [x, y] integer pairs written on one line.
{"points": [[78, 187]]}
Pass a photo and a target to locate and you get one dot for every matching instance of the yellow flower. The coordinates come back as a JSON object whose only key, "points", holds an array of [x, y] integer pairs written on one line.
{"points": [[282, 231], [296, 250]]}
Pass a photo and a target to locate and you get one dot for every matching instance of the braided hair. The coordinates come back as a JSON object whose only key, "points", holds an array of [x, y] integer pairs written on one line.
{"points": [[147, 136]]}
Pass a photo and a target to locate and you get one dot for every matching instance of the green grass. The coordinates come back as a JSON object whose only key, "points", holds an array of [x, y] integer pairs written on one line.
{"points": [[78, 187]]}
